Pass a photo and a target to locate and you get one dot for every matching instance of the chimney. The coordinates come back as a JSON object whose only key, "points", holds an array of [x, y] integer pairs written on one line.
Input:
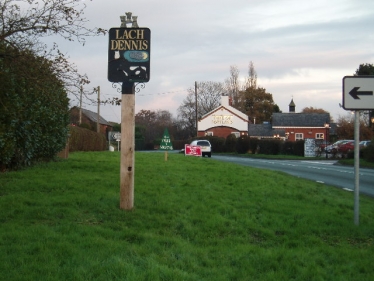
{"points": [[225, 101]]}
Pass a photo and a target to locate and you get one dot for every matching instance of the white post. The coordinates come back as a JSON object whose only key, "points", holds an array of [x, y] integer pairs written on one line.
{"points": [[357, 168]]}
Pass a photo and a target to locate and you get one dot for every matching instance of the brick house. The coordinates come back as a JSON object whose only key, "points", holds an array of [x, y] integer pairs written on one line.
{"points": [[89, 118], [295, 126], [226, 120], [299, 126], [223, 121]]}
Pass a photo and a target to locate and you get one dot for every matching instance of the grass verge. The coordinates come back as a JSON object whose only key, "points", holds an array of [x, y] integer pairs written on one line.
{"points": [[194, 219]]}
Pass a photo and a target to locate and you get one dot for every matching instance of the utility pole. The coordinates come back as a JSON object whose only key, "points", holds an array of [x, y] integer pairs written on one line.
{"points": [[80, 106], [197, 130], [98, 110]]}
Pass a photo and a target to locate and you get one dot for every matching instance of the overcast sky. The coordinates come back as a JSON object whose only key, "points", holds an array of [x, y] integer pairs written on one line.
{"points": [[300, 49]]}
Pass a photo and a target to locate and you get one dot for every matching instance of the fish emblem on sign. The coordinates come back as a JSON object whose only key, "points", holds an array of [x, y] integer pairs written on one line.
{"points": [[136, 56]]}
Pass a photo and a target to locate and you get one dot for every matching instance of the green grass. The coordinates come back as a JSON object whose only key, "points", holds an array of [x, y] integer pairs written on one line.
{"points": [[363, 163], [194, 219]]}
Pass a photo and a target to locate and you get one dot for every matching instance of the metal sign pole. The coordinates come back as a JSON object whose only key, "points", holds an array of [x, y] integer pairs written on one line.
{"points": [[357, 168]]}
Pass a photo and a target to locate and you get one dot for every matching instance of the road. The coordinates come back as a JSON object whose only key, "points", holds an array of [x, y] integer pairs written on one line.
{"points": [[324, 171]]}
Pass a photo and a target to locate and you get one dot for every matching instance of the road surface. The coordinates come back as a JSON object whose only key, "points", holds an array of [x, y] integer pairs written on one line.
{"points": [[323, 171]]}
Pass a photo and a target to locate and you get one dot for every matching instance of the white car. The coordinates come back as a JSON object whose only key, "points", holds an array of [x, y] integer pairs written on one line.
{"points": [[206, 148]]}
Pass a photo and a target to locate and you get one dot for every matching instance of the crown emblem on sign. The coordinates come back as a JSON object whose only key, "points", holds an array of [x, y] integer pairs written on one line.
{"points": [[129, 19]]}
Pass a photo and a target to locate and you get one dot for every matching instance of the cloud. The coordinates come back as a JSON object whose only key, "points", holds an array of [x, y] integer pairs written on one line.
{"points": [[299, 49]]}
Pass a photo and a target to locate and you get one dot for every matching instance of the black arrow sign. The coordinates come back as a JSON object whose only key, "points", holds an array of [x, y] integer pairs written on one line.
{"points": [[355, 93]]}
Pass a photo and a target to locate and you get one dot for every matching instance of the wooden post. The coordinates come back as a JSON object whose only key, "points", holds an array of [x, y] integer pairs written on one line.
{"points": [[127, 146], [98, 110], [166, 156], [80, 106]]}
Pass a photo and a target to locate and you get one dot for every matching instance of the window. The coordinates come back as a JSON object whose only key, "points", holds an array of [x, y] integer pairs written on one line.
{"points": [[237, 134], [203, 143], [320, 136], [299, 136], [210, 134]]}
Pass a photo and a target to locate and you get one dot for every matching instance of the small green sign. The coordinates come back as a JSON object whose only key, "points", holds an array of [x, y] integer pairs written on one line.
{"points": [[166, 141]]}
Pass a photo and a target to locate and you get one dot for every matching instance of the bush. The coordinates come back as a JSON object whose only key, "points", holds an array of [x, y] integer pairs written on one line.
{"points": [[288, 148], [243, 144], [270, 146], [82, 139], [230, 143], [34, 110], [298, 148], [140, 144], [218, 143], [368, 153], [179, 144], [253, 145], [86, 126]]}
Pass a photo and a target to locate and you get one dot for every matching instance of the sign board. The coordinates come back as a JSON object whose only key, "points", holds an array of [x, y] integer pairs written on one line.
{"points": [[114, 136], [358, 92], [193, 150], [129, 54], [166, 142], [309, 148]]}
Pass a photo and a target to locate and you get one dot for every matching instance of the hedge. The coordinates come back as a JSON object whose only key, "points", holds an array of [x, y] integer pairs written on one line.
{"points": [[82, 139]]}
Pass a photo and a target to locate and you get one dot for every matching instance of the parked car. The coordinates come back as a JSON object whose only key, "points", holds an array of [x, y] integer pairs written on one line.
{"points": [[334, 148], [346, 147], [364, 143], [206, 148]]}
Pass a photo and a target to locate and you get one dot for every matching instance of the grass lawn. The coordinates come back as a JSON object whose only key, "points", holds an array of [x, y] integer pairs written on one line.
{"points": [[194, 219]]}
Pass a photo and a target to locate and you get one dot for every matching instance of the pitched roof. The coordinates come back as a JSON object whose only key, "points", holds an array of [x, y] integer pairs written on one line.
{"points": [[264, 130], [93, 117], [300, 119]]}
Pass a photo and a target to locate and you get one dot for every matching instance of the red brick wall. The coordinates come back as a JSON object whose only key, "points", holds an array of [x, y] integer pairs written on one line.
{"points": [[74, 119], [221, 132], [307, 133]]}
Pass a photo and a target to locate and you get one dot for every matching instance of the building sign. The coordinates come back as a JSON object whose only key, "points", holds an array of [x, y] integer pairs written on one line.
{"points": [[129, 54], [309, 148], [193, 150], [222, 119]]}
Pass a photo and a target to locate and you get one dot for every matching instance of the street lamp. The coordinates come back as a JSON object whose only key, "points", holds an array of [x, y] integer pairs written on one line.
{"points": [[327, 126]]}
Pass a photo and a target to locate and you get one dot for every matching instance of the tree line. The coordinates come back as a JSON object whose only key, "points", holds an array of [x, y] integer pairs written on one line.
{"points": [[247, 97], [204, 97]]}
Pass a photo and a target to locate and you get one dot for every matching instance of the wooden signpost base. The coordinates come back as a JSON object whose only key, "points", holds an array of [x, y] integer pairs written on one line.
{"points": [[127, 169]]}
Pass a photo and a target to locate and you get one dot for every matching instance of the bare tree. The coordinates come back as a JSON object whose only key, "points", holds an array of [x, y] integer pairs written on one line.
{"points": [[23, 23], [186, 116], [232, 85], [208, 96], [251, 81]]}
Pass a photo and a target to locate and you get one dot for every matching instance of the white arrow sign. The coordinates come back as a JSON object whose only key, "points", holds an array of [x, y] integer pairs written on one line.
{"points": [[358, 92]]}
